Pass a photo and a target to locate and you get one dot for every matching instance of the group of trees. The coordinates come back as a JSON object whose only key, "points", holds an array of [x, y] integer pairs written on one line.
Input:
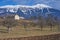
{"points": [[42, 21], [8, 22], [49, 21]]}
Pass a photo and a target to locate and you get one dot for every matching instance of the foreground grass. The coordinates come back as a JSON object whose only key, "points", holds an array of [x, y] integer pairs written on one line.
{"points": [[20, 31]]}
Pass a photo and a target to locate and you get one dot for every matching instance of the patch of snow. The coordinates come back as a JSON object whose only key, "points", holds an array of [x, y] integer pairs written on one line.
{"points": [[22, 18], [11, 10], [42, 6], [23, 10]]}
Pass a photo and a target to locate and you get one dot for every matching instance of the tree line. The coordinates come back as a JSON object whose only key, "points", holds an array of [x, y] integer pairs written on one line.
{"points": [[49, 21]]}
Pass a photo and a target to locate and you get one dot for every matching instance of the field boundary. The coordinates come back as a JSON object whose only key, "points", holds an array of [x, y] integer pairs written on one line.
{"points": [[45, 37]]}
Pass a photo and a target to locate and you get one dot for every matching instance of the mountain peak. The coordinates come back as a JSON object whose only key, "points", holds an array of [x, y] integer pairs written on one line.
{"points": [[42, 6], [34, 6]]}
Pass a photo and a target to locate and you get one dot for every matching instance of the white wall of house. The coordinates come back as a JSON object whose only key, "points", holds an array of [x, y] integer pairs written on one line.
{"points": [[17, 17]]}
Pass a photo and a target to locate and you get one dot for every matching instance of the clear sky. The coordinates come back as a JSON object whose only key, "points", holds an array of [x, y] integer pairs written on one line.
{"points": [[52, 3]]}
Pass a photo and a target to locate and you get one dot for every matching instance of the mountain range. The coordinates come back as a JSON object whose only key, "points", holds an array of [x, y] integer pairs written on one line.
{"points": [[29, 11]]}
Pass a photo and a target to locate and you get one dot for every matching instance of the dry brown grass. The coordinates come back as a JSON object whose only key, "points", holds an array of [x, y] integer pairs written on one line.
{"points": [[20, 31]]}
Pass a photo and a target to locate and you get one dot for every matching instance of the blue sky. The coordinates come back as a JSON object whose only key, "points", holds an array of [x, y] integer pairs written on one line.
{"points": [[52, 3]]}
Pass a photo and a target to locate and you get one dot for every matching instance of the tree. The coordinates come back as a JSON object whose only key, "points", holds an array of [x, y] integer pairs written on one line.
{"points": [[24, 25], [41, 22], [34, 22], [57, 23], [51, 21], [1, 21], [9, 22], [33, 17]]}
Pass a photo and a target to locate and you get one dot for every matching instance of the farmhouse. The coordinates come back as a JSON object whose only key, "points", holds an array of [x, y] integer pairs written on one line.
{"points": [[17, 17]]}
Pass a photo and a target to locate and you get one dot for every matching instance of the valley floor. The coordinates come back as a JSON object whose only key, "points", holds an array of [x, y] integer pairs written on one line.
{"points": [[22, 32]]}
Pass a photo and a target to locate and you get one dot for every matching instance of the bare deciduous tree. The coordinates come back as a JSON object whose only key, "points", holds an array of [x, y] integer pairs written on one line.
{"points": [[41, 22], [9, 22], [51, 21]]}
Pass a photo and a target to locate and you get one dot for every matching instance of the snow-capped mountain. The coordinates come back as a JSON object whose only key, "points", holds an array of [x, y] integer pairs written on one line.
{"points": [[28, 11], [17, 6]]}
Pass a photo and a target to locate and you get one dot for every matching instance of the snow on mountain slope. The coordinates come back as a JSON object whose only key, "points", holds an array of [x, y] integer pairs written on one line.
{"points": [[42, 6], [28, 11], [17, 6], [14, 8]]}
